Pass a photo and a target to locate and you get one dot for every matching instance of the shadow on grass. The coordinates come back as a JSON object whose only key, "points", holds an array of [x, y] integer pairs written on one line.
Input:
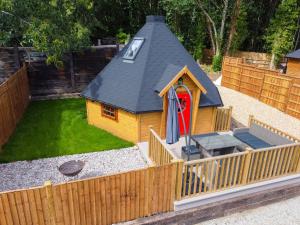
{"points": [[54, 128]]}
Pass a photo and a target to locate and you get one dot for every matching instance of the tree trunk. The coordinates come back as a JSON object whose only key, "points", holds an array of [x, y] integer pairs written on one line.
{"points": [[72, 71], [224, 13], [272, 63], [233, 25], [211, 36]]}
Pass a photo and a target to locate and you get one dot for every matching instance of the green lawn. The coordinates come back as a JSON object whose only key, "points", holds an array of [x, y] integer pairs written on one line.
{"points": [[54, 128]]}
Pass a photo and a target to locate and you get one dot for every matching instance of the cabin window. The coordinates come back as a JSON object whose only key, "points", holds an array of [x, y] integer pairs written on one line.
{"points": [[133, 48], [109, 112]]}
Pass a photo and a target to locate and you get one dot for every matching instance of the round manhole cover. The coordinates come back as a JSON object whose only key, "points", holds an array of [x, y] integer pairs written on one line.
{"points": [[71, 168]]}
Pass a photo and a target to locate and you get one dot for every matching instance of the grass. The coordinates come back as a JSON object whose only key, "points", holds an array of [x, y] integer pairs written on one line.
{"points": [[54, 128]]}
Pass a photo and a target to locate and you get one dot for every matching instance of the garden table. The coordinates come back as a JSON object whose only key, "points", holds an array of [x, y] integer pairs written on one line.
{"points": [[213, 141]]}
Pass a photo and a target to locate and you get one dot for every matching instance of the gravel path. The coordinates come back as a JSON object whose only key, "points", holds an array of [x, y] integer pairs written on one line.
{"points": [[24, 174], [281, 213], [244, 105]]}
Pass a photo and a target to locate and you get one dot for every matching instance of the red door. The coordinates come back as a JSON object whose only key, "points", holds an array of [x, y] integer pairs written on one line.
{"points": [[185, 103]]}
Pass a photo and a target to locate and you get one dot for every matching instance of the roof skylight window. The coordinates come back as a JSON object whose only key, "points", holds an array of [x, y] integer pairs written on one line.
{"points": [[133, 48]]}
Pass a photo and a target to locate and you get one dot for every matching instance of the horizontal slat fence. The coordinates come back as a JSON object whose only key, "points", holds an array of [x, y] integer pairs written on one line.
{"points": [[223, 119], [157, 151], [278, 90], [14, 98], [293, 105], [96, 201]]}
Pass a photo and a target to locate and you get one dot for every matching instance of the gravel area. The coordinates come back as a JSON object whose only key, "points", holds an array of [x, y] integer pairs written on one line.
{"points": [[24, 174], [281, 213], [244, 105]]}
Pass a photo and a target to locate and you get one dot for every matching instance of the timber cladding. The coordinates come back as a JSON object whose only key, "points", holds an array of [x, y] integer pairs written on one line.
{"points": [[14, 99], [95, 201], [293, 67], [125, 127], [135, 127], [278, 90]]}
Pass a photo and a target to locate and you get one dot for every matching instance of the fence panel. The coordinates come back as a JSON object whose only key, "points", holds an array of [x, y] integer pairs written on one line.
{"points": [[231, 76], [14, 98], [269, 86], [223, 119], [293, 105], [96, 201], [251, 81], [275, 91]]}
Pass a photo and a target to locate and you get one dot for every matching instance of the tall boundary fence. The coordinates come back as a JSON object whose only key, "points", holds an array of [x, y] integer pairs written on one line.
{"points": [[14, 99], [95, 201], [271, 87]]}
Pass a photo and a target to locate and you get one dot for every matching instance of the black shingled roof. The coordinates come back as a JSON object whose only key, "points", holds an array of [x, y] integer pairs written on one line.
{"points": [[133, 85], [295, 54]]}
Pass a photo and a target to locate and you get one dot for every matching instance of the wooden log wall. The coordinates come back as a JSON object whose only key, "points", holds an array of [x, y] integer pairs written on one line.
{"points": [[271, 87], [14, 98], [96, 201]]}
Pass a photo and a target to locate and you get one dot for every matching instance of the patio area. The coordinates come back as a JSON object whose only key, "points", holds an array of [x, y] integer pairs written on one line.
{"points": [[256, 136], [226, 159]]}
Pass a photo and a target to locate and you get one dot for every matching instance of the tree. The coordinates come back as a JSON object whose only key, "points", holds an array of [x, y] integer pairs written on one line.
{"points": [[282, 30], [238, 28], [55, 28]]}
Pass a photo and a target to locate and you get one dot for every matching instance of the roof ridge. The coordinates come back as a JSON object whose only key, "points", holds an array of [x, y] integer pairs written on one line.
{"points": [[145, 66]]}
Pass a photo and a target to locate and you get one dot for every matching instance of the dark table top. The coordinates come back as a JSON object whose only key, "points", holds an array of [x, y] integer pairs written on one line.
{"points": [[213, 141]]}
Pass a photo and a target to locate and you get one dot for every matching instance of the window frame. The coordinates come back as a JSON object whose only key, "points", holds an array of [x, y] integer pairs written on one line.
{"points": [[130, 45], [111, 110]]}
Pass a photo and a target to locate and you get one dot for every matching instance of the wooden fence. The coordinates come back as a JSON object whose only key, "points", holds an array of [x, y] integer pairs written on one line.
{"points": [[223, 119], [278, 90], [96, 201], [14, 98]]}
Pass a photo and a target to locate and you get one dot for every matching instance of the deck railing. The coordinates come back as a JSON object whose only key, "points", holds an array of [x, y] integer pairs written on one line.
{"points": [[223, 172], [158, 151], [223, 119], [274, 162], [213, 174]]}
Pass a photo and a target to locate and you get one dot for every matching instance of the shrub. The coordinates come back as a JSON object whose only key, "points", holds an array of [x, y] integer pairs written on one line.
{"points": [[217, 63]]}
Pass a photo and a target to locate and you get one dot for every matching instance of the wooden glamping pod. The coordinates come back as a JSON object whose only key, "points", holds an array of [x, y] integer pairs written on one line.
{"points": [[130, 93]]}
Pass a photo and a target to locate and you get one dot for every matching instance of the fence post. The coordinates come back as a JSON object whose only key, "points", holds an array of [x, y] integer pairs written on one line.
{"points": [[247, 165], [150, 147], [298, 166], [229, 118], [50, 202], [251, 117], [178, 183]]}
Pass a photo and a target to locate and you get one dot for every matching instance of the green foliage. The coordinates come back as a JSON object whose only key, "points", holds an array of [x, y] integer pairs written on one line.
{"points": [[55, 27], [283, 26], [217, 63], [122, 37], [199, 41], [54, 128], [241, 29], [187, 23]]}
